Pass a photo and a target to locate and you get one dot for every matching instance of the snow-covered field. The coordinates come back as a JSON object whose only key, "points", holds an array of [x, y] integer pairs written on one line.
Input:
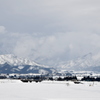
{"points": [[48, 90]]}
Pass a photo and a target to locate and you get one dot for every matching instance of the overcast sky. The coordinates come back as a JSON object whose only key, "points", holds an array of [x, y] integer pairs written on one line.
{"points": [[50, 31]]}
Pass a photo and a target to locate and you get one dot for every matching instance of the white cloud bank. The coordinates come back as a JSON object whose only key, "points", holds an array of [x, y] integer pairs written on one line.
{"points": [[2, 29], [50, 49]]}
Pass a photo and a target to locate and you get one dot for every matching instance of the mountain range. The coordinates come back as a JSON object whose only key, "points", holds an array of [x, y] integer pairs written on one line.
{"points": [[12, 64], [87, 62]]}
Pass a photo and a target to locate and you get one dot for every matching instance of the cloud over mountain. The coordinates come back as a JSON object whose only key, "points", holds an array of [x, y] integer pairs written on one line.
{"points": [[50, 31]]}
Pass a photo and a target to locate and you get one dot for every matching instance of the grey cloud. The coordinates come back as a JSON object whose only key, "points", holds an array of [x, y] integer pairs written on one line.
{"points": [[2, 29], [50, 16]]}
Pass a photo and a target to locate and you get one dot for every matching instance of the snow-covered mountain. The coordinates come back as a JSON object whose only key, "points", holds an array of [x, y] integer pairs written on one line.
{"points": [[12, 64], [84, 63]]}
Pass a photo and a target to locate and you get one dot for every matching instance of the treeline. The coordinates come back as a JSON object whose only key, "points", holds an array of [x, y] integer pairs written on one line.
{"points": [[89, 78], [39, 78], [68, 78]]}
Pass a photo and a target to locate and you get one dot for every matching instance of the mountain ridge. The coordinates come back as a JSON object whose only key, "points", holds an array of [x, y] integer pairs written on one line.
{"points": [[12, 64], [84, 63]]}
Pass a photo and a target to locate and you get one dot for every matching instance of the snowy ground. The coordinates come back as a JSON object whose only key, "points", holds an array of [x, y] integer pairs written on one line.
{"points": [[47, 90]]}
